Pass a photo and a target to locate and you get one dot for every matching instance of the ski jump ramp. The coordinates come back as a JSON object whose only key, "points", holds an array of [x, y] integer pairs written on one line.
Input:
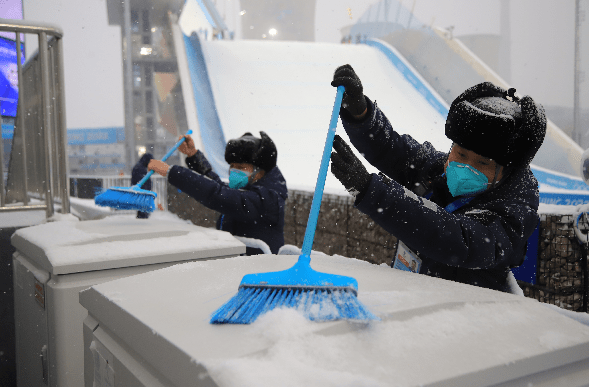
{"points": [[283, 88]]}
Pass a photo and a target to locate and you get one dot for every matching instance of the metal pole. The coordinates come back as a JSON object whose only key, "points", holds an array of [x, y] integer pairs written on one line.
{"points": [[20, 121], [46, 120], [62, 131], [128, 81], [577, 107]]}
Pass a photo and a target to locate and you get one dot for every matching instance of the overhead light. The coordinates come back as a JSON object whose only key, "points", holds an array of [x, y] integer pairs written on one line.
{"points": [[145, 50], [272, 31], [141, 150], [242, 13]]}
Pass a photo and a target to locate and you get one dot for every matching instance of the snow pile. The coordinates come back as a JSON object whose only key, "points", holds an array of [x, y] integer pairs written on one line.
{"points": [[299, 355]]}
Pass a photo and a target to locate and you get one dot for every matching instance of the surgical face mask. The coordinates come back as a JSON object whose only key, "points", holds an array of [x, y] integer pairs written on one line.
{"points": [[238, 178], [462, 179]]}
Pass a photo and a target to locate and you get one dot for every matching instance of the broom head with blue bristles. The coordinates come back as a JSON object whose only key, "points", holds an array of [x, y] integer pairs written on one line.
{"points": [[319, 296], [134, 198], [127, 198]]}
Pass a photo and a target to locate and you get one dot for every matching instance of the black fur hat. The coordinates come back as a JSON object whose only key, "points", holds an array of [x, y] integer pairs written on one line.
{"points": [[260, 152], [492, 122]]}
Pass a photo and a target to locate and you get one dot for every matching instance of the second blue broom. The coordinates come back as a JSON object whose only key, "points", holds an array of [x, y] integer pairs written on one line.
{"points": [[133, 198]]}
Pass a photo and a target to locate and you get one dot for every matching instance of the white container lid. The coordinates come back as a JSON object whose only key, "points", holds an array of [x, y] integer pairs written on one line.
{"points": [[65, 247], [432, 330]]}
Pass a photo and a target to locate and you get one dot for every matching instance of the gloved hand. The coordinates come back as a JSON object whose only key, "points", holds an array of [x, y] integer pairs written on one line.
{"points": [[348, 168], [353, 100]]}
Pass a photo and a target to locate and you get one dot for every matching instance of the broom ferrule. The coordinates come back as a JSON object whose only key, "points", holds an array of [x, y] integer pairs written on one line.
{"points": [[145, 178]]}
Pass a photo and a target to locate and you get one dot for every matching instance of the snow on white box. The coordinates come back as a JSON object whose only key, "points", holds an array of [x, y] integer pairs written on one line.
{"points": [[432, 331], [120, 241]]}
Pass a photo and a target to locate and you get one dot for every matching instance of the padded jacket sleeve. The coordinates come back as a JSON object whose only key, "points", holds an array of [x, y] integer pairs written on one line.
{"points": [[244, 205]]}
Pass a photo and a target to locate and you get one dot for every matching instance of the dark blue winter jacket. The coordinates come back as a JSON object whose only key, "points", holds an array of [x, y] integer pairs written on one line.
{"points": [[476, 244], [139, 171], [256, 211]]}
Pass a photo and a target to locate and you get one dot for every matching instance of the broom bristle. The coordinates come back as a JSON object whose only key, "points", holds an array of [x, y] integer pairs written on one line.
{"points": [[316, 304], [127, 198]]}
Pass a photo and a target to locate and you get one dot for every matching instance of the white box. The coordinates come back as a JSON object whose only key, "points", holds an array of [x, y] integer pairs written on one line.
{"points": [[53, 262]]}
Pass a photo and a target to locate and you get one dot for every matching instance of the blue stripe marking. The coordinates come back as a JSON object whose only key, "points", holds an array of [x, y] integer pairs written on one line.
{"points": [[409, 76], [566, 199], [211, 130], [559, 181]]}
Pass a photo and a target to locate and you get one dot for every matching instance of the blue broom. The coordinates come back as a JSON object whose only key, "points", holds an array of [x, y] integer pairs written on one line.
{"points": [[319, 296], [133, 198]]}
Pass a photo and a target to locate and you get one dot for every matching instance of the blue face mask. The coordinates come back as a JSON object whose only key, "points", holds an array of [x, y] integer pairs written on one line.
{"points": [[238, 178], [462, 179]]}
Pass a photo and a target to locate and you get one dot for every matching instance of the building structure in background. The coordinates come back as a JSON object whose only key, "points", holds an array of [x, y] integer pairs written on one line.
{"points": [[154, 113]]}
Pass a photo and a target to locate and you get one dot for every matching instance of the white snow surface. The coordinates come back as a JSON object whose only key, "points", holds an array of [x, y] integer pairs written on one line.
{"points": [[430, 329]]}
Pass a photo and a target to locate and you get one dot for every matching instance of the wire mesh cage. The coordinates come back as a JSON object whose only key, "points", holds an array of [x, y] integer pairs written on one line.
{"points": [[561, 270]]}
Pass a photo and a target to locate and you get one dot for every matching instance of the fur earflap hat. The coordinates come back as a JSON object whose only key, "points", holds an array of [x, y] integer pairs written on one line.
{"points": [[261, 152], [494, 123]]}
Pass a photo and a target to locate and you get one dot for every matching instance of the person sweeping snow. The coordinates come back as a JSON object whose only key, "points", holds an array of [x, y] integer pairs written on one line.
{"points": [[465, 215], [252, 204]]}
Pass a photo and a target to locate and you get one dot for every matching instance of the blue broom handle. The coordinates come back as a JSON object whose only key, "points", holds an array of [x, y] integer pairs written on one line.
{"points": [[318, 195], [146, 177]]}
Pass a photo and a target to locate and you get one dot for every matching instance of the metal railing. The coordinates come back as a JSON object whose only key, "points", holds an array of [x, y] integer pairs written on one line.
{"points": [[38, 161]]}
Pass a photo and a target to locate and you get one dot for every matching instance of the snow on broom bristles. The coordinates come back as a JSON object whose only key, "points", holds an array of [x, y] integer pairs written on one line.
{"points": [[319, 296], [133, 198]]}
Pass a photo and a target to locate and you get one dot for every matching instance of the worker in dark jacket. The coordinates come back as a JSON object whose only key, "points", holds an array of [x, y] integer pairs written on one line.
{"points": [[465, 215], [252, 204], [138, 172]]}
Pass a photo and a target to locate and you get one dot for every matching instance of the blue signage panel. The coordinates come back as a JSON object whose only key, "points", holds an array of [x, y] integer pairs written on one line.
{"points": [[95, 136], [564, 199]]}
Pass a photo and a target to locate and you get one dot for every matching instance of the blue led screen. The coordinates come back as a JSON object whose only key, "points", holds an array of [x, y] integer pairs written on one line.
{"points": [[9, 76]]}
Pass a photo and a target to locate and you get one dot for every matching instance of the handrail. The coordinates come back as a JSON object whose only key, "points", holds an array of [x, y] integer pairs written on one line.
{"points": [[40, 123], [25, 27]]}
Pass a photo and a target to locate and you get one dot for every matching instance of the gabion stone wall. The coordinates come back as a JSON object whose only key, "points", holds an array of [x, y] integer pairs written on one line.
{"points": [[341, 228], [187, 208], [560, 264]]}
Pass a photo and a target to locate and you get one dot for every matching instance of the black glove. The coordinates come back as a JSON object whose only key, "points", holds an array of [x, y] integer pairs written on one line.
{"points": [[353, 100], [348, 169], [140, 170], [145, 159]]}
